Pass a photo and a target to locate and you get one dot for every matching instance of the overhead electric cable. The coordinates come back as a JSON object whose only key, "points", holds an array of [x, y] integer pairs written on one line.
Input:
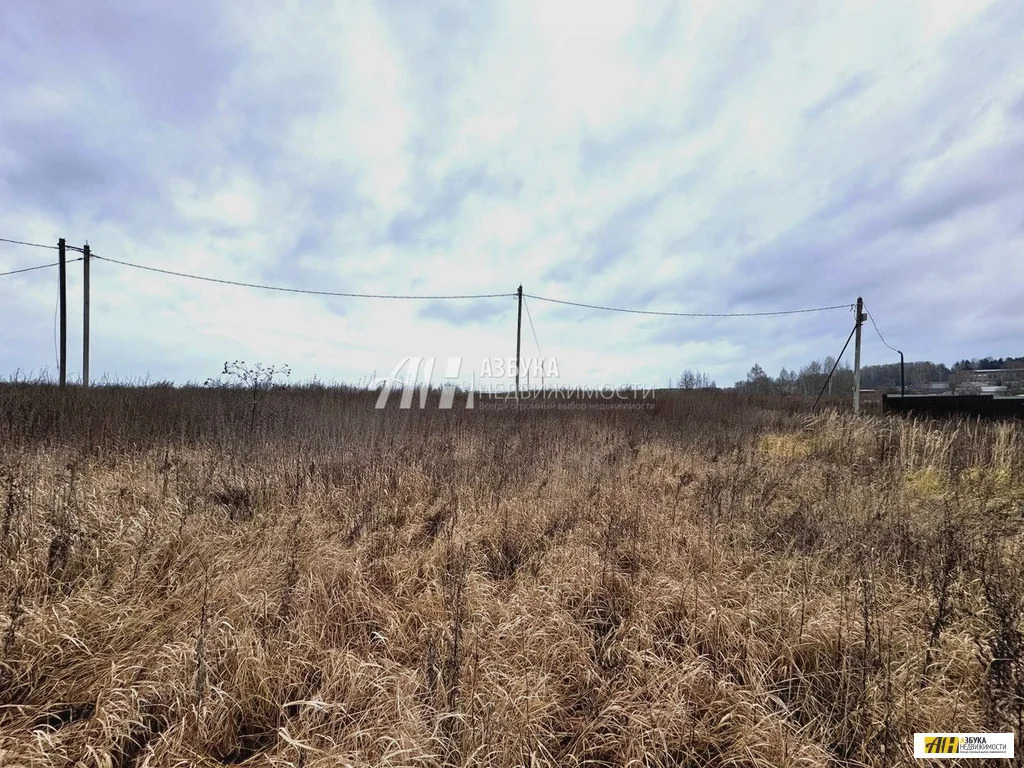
{"points": [[530, 318], [39, 245], [297, 290], [347, 294], [871, 317], [22, 242], [38, 266], [686, 314]]}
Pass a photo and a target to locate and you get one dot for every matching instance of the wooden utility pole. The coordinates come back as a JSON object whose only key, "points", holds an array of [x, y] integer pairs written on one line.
{"points": [[903, 378], [63, 300], [856, 356], [85, 315], [519, 333]]}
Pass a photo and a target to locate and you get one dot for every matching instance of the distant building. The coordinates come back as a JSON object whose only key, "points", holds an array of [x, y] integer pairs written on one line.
{"points": [[993, 390], [996, 381]]}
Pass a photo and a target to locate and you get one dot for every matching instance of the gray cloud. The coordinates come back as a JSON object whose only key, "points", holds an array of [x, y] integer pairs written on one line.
{"points": [[425, 222], [478, 312]]}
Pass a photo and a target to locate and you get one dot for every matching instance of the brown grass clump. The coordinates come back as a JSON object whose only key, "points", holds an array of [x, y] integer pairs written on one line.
{"points": [[712, 582]]}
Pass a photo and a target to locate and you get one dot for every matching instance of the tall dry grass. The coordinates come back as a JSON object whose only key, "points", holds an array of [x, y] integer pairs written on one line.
{"points": [[712, 582]]}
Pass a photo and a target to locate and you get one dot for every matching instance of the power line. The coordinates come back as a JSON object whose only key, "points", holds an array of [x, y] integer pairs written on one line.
{"points": [[343, 294], [298, 290], [28, 269], [871, 317], [536, 341], [38, 245], [22, 242], [39, 266], [687, 314], [530, 318]]}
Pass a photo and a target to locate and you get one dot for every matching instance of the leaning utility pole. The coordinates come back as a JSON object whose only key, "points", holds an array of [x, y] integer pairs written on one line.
{"points": [[519, 332], [856, 356], [85, 315], [63, 300]]}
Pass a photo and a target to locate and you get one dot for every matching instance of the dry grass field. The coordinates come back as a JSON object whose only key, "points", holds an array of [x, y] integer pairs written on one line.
{"points": [[711, 582]]}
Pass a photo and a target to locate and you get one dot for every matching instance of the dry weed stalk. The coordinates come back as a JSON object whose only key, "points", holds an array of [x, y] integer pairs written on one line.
{"points": [[715, 582]]}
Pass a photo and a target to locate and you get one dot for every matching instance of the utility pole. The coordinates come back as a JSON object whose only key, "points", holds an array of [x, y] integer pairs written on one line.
{"points": [[903, 378], [856, 356], [519, 331], [85, 315], [62, 291]]}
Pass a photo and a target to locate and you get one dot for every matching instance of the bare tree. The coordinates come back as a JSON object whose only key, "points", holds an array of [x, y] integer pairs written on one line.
{"points": [[693, 379]]}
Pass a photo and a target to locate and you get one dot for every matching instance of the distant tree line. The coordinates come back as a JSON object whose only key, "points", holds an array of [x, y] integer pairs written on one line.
{"points": [[922, 373], [989, 363], [811, 378]]}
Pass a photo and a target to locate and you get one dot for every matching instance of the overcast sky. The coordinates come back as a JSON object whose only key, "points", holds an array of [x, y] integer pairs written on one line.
{"points": [[699, 157]]}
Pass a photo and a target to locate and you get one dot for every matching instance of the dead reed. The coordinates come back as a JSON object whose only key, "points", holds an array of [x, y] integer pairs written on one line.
{"points": [[712, 582]]}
